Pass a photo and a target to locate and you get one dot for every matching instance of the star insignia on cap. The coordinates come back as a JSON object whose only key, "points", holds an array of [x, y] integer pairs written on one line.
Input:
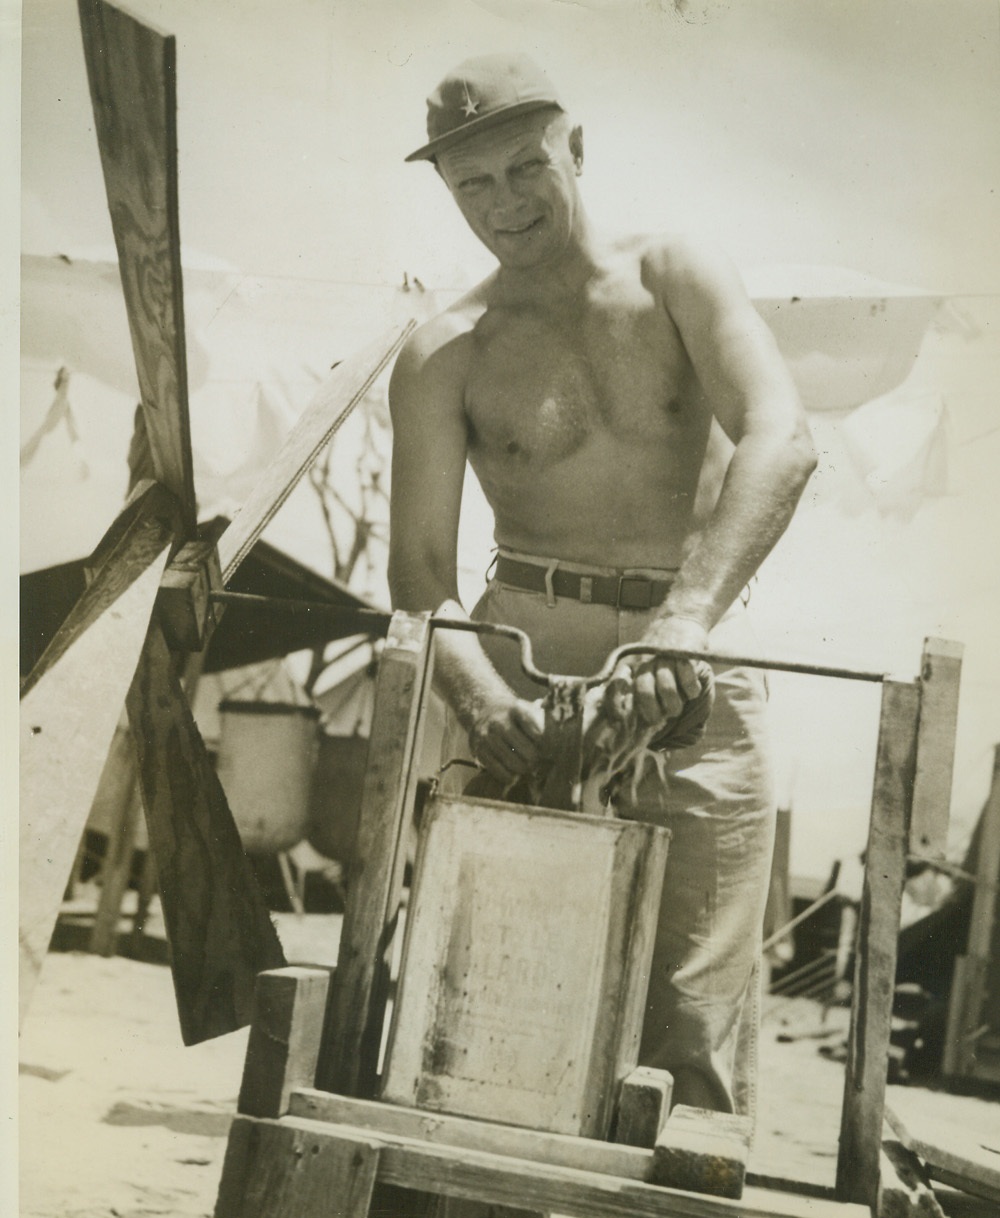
{"points": [[471, 107]]}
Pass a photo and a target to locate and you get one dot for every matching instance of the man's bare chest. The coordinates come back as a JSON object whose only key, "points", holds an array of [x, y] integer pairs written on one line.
{"points": [[542, 384]]}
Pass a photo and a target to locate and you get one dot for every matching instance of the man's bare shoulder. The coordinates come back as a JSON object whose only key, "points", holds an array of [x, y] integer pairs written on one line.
{"points": [[447, 332], [433, 365], [679, 265]]}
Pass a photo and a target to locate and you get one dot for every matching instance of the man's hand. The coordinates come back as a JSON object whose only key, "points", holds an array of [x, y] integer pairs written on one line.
{"points": [[505, 736], [664, 687], [661, 691]]}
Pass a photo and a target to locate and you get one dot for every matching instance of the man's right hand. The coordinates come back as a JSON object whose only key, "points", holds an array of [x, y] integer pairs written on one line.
{"points": [[505, 736]]}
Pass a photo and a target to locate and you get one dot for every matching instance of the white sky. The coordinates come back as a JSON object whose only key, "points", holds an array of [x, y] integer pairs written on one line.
{"points": [[851, 132]]}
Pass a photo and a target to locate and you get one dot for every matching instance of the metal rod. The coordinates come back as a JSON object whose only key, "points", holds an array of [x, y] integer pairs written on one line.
{"points": [[798, 919], [378, 621]]}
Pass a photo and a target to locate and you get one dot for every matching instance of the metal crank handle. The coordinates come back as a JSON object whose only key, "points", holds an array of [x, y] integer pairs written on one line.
{"points": [[533, 673]]}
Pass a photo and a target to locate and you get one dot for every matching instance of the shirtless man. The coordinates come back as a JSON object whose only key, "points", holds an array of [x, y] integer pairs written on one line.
{"points": [[642, 447]]}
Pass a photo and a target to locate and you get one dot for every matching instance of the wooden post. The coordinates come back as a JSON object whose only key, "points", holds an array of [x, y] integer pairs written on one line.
{"points": [[277, 1171], [374, 886], [940, 671], [969, 983], [117, 866], [878, 934], [285, 1037], [643, 1106], [147, 887]]}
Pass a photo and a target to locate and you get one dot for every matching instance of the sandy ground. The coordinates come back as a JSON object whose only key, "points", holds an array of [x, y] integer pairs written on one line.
{"points": [[119, 1120]]}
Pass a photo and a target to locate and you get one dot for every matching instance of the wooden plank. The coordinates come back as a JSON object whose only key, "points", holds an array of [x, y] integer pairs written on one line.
{"points": [[643, 1106], [703, 1152], [275, 1170], [219, 930], [342, 390], [528, 933], [904, 1190], [285, 1036], [131, 69], [585, 1154], [878, 933], [970, 982], [137, 535], [498, 1180], [187, 614], [970, 1163], [940, 673], [70, 706], [349, 1061]]}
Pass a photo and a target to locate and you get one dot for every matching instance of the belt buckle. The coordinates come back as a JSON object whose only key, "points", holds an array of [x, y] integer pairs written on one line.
{"points": [[635, 592]]}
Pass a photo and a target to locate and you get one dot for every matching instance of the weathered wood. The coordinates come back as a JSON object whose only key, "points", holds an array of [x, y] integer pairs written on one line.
{"points": [[537, 1146], [904, 1190], [878, 933], [147, 889], [219, 930], [276, 1170], [528, 933], [643, 1106], [70, 705], [940, 673], [966, 1162], [342, 390], [703, 1152], [131, 69], [349, 1060], [972, 971], [134, 540], [122, 793], [499, 1180], [187, 614], [285, 1036]]}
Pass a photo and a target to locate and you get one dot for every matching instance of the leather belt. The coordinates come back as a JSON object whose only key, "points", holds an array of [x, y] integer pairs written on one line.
{"points": [[621, 591]]}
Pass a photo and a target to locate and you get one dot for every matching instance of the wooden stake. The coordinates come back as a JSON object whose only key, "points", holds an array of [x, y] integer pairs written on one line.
{"points": [[878, 933], [350, 1061], [285, 1037], [123, 798], [940, 672], [643, 1106]]}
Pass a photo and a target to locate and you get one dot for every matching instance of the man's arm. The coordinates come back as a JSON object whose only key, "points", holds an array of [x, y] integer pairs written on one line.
{"points": [[752, 395], [428, 471]]}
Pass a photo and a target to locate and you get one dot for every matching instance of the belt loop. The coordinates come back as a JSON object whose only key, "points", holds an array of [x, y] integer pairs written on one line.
{"points": [[493, 564], [586, 589], [550, 592]]}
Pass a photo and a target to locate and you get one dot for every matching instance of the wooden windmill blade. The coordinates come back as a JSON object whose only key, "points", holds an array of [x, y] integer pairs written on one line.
{"points": [[70, 705], [132, 71], [339, 393], [218, 926]]}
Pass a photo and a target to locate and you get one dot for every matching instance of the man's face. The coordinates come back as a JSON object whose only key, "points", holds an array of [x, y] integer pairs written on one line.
{"points": [[516, 186]]}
